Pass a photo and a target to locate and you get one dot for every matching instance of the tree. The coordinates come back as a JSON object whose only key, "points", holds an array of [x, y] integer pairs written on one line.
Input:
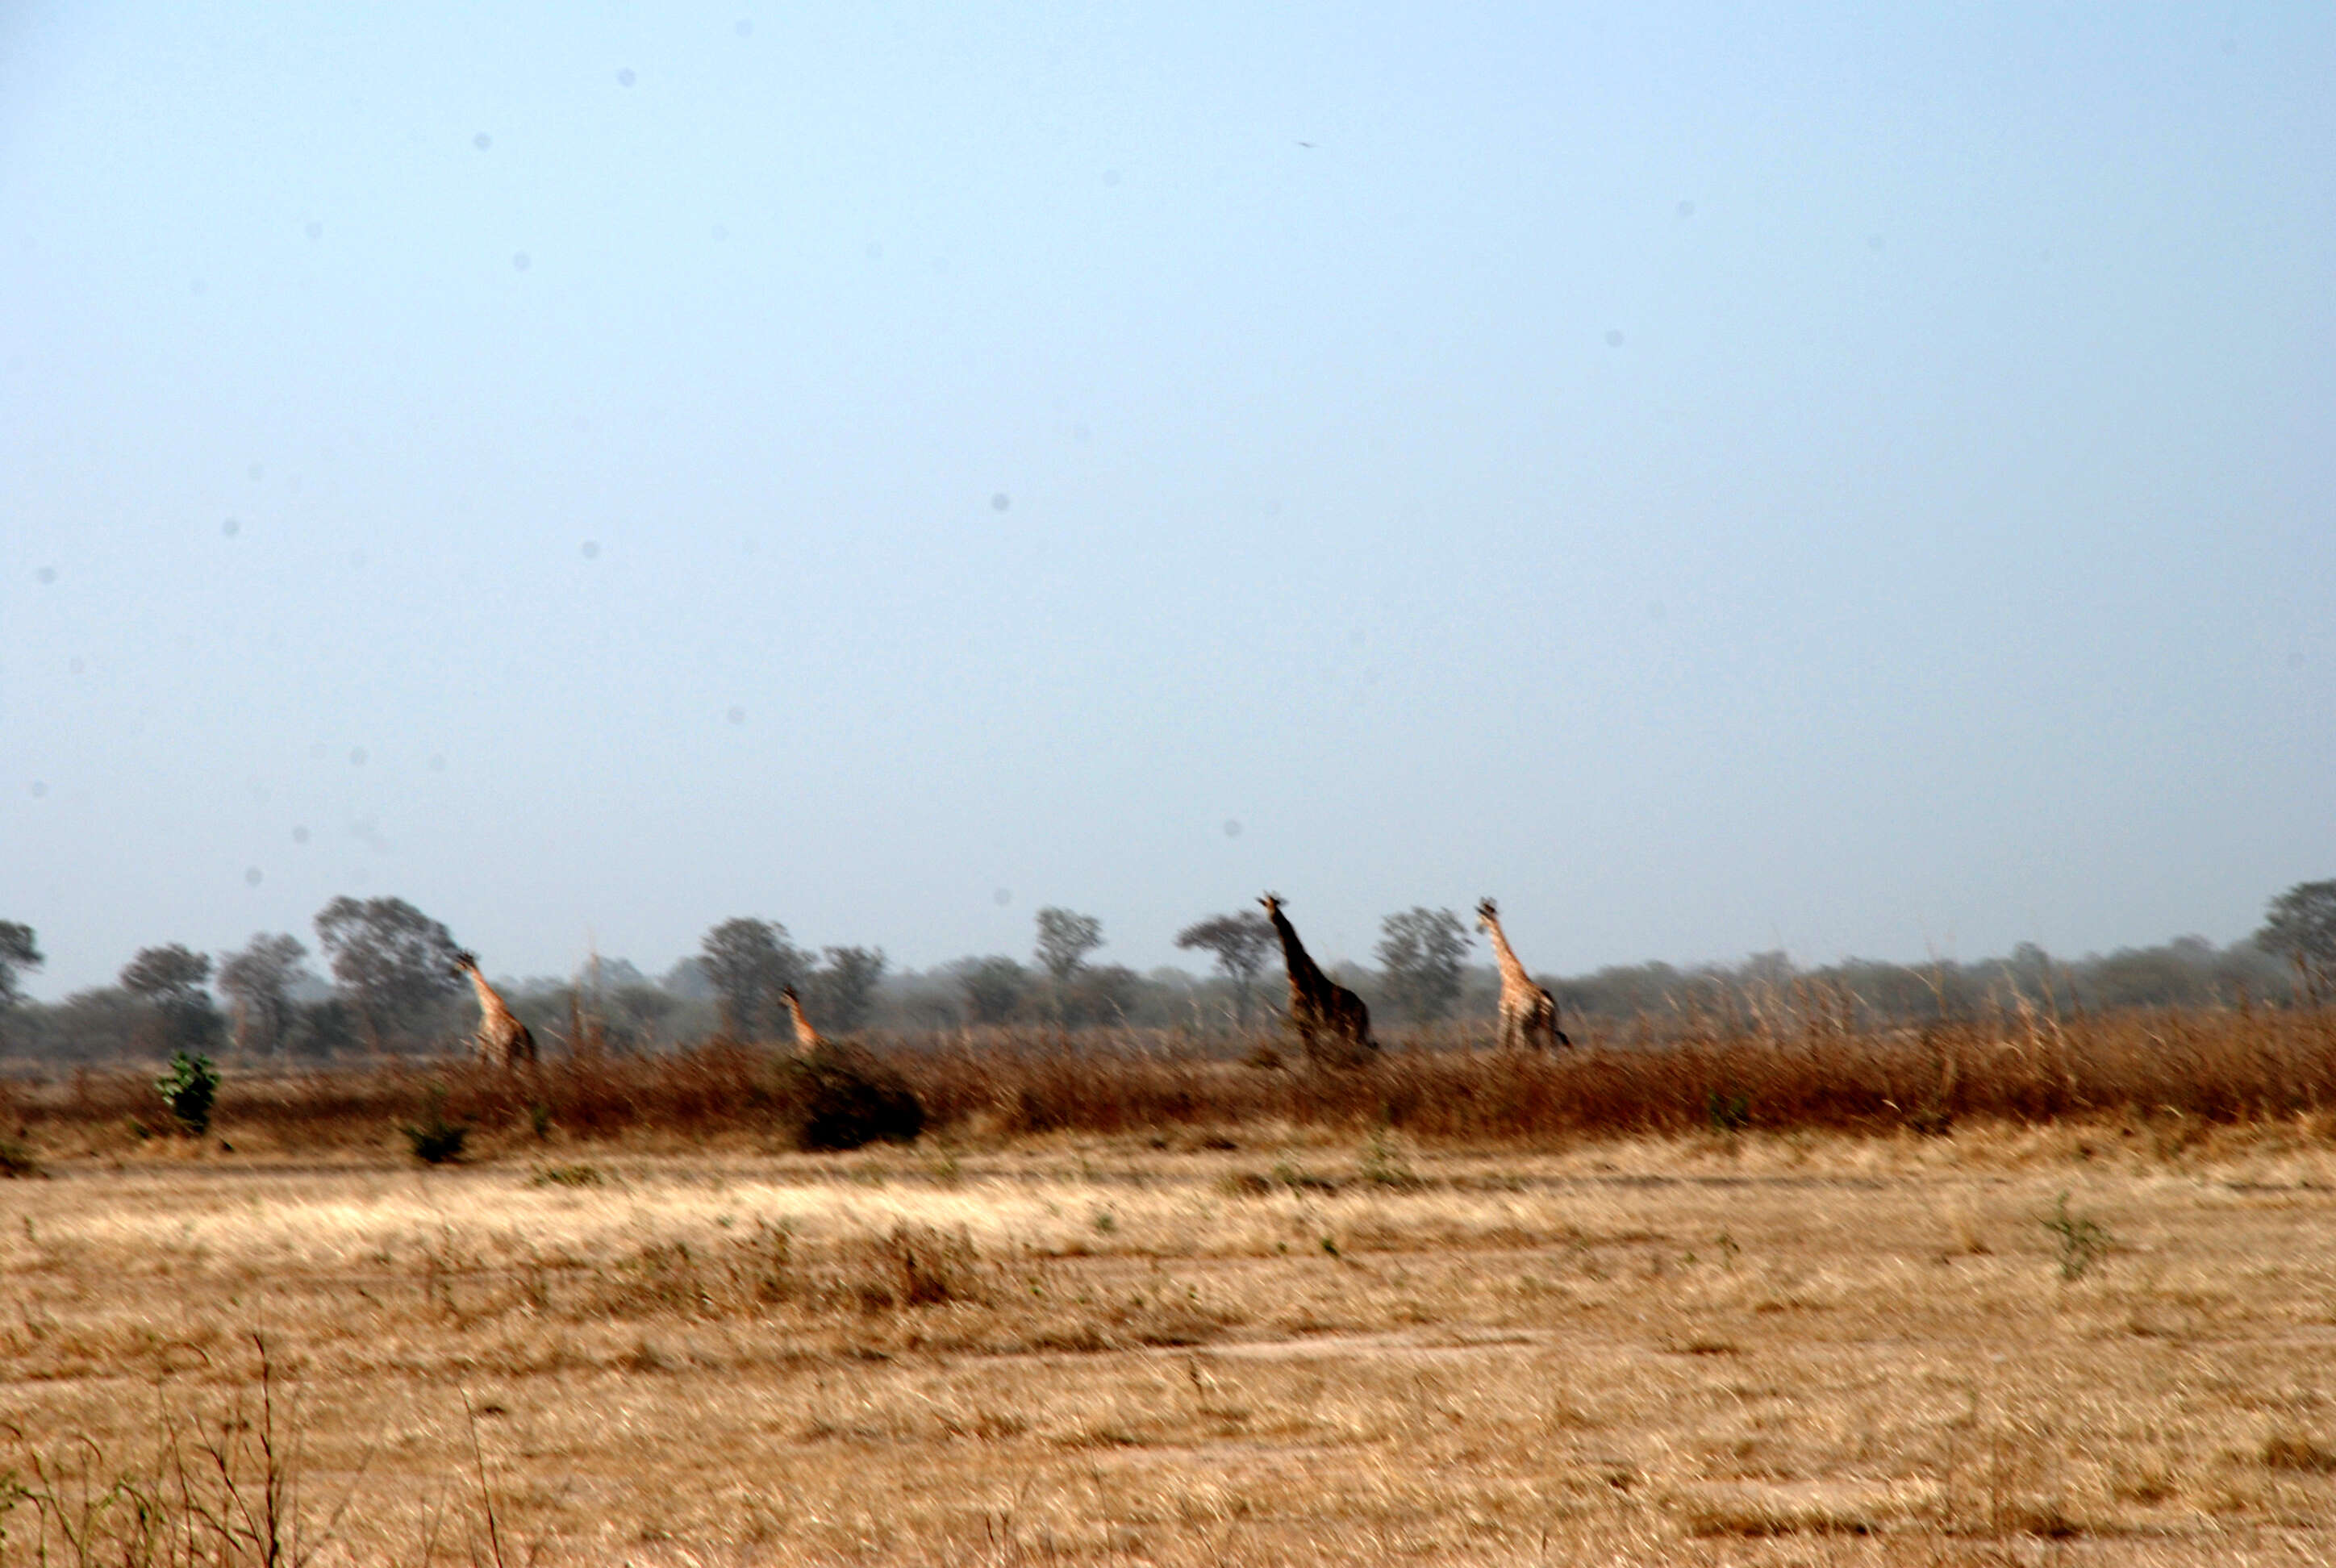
{"points": [[1421, 952], [842, 991], [1240, 943], [1065, 940], [396, 963], [18, 951], [748, 962], [172, 982], [2300, 926], [993, 988], [258, 982], [1066, 937], [1098, 994]]}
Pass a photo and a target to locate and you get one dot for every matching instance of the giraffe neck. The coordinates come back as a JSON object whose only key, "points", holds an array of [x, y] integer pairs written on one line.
{"points": [[1511, 971], [1293, 951], [804, 1034], [489, 1002]]}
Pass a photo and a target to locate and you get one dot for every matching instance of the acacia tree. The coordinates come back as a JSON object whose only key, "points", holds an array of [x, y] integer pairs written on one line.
{"points": [[1421, 952], [258, 982], [171, 981], [1066, 937], [748, 962], [395, 964], [2300, 925], [1238, 942], [19, 951]]}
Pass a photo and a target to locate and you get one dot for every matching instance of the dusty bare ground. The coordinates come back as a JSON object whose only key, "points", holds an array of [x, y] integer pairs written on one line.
{"points": [[1796, 1348]]}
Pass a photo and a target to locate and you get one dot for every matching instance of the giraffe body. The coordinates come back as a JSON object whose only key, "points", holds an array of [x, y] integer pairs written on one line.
{"points": [[1331, 1021], [502, 1041], [1528, 1012]]}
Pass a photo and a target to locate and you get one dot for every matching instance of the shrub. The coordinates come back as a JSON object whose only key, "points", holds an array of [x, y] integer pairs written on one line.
{"points": [[434, 1140], [845, 1099], [914, 1266], [2081, 1240], [190, 1089]]}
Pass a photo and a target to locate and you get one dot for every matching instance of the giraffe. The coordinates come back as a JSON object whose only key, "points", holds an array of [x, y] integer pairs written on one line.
{"points": [[807, 1039], [502, 1041], [1331, 1020], [1528, 1012]]}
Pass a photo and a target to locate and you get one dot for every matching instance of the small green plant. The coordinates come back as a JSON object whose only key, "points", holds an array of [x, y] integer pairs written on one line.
{"points": [[538, 1121], [1728, 1113], [18, 1159], [190, 1088], [1300, 1181], [434, 1140], [2082, 1241], [565, 1176], [1384, 1165]]}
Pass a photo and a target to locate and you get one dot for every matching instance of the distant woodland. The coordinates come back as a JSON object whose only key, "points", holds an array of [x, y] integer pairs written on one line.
{"points": [[377, 977]]}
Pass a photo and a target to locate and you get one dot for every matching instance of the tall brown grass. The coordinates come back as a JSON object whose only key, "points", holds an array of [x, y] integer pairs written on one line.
{"points": [[1790, 1063]]}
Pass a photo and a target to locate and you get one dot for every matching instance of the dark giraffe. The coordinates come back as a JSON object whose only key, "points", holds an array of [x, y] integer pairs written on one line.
{"points": [[1528, 1012], [1330, 1021], [502, 1041]]}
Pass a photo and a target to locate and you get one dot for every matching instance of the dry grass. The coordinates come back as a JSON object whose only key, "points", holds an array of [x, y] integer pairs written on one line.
{"points": [[1716, 1348], [1795, 1064], [1142, 1305]]}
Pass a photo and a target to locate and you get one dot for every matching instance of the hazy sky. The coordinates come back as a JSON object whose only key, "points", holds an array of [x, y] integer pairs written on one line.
{"points": [[1853, 481]]}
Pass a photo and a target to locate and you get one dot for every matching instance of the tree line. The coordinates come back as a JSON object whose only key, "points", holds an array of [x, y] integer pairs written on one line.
{"points": [[393, 987]]}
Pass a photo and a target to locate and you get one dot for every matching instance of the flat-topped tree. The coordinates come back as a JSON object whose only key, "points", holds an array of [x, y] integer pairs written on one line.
{"points": [[1240, 943], [174, 981], [2300, 926]]}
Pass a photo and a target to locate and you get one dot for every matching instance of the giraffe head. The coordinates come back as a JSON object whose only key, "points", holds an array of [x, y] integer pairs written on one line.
{"points": [[1271, 903], [466, 963], [1485, 914], [789, 992]]}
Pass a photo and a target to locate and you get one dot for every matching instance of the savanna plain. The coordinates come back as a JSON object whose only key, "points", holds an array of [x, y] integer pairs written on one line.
{"points": [[1999, 1294]]}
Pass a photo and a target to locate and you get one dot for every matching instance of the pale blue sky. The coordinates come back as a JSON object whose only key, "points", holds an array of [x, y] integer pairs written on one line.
{"points": [[1848, 482]]}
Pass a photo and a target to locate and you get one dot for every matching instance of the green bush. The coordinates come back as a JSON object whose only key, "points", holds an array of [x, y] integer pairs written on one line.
{"points": [[190, 1089], [434, 1140], [2082, 1239]]}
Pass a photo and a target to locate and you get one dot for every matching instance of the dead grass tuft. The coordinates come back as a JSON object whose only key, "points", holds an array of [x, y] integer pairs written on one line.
{"points": [[2297, 1451]]}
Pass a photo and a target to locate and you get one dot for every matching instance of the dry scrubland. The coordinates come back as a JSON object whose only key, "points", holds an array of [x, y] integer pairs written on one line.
{"points": [[2018, 1292]]}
